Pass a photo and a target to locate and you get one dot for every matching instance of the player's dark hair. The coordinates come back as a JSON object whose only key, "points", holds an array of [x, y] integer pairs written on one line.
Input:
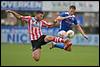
{"points": [[39, 12], [72, 6]]}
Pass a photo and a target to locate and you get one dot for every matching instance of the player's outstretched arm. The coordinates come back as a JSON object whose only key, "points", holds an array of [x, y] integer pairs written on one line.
{"points": [[81, 30], [18, 16], [59, 18]]}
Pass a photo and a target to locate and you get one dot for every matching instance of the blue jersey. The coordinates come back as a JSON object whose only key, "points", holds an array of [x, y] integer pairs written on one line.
{"points": [[66, 24]]}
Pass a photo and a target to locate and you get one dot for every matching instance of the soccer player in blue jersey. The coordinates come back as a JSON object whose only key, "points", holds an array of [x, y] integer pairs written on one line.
{"points": [[67, 19]]}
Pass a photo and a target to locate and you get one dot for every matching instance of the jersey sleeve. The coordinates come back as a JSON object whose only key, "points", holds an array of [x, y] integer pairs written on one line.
{"points": [[75, 21], [25, 18], [63, 14], [44, 23]]}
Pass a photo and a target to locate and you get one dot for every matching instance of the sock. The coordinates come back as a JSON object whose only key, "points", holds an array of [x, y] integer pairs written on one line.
{"points": [[59, 45], [58, 40]]}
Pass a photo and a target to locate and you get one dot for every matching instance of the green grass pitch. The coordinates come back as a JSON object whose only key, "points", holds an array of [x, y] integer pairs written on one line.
{"points": [[20, 55]]}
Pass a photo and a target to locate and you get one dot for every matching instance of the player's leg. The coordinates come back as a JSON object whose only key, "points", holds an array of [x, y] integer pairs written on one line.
{"points": [[69, 34], [66, 42], [54, 39], [62, 34], [61, 46], [36, 50], [36, 54], [36, 45], [56, 45]]}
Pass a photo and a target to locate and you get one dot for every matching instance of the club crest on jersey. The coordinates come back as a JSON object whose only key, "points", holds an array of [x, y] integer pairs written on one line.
{"points": [[36, 24]]}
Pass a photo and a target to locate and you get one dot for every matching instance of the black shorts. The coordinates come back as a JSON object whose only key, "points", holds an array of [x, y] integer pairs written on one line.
{"points": [[37, 43]]}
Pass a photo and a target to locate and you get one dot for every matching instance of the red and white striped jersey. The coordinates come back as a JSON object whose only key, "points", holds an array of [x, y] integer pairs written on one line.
{"points": [[34, 26]]}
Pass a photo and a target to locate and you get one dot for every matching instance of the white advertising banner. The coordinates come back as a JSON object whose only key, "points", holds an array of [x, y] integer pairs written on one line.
{"points": [[21, 5], [14, 36], [89, 6], [82, 6], [93, 39], [20, 35]]}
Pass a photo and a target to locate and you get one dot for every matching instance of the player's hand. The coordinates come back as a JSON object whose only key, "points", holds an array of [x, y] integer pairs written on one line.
{"points": [[85, 36], [8, 11]]}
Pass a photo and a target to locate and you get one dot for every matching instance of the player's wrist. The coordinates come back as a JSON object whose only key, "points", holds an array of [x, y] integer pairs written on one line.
{"points": [[85, 36]]}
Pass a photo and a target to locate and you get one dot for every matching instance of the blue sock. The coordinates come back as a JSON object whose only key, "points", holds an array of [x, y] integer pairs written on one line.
{"points": [[59, 45]]}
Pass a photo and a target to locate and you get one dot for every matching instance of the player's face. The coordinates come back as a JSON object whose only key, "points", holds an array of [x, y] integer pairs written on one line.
{"points": [[72, 11], [40, 16]]}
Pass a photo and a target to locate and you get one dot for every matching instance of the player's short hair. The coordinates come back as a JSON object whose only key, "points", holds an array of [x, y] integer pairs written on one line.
{"points": [[39, 12], [73, 7]]}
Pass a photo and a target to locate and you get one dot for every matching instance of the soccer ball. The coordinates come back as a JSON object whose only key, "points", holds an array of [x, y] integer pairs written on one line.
{"points": [[70, 34]]}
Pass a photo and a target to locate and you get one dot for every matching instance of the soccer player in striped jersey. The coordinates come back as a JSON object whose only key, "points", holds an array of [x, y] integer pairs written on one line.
{"points": [[35, 34], [67, 19]]}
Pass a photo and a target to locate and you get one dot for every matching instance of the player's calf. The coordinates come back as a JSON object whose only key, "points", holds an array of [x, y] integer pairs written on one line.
{"points": [[67, 46], [67, 42], [54, 39]]}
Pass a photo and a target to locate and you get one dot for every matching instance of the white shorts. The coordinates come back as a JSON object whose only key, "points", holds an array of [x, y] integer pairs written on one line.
{"points": [[65, 34], [61, 32]]}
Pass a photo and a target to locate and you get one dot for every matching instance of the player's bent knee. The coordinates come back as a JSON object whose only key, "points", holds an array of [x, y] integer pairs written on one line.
{"points": [[36, 54], [49, 38]]}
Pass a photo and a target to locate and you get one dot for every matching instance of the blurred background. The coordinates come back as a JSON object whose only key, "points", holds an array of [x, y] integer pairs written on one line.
{"points": [[13, 31]]}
